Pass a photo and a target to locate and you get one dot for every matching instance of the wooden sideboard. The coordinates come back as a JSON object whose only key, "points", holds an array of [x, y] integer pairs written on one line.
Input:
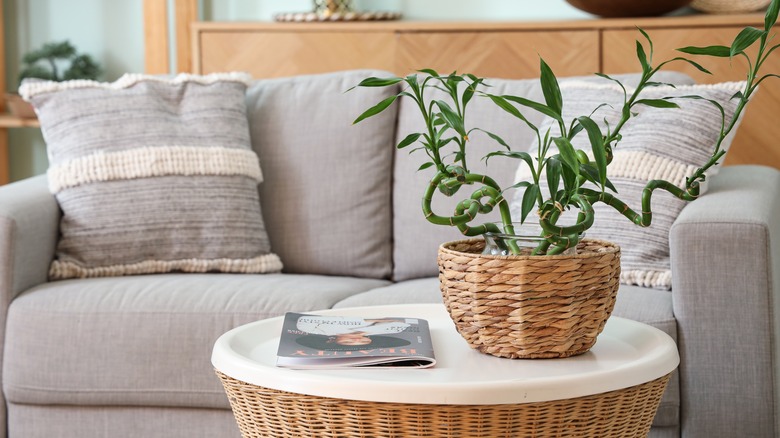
{"points": [[493, 49]]}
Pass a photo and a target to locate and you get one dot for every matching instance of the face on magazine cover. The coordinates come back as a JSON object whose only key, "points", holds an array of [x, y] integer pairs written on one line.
{"points": [[350, 342]]}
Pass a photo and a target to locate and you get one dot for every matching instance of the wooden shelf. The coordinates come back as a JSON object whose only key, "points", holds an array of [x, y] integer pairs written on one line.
{"points": [[11, 121]]}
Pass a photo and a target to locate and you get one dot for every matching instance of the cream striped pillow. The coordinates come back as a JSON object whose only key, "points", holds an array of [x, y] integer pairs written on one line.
{"points": [[153, 175], [657, 144]]}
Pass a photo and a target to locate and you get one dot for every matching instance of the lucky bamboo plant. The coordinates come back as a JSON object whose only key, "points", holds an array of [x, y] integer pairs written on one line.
{"points": [[567, 169]]}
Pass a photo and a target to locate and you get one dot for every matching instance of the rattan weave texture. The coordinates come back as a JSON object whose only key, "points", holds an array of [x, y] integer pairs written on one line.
{"points": [[269, 413], [529, 306]]}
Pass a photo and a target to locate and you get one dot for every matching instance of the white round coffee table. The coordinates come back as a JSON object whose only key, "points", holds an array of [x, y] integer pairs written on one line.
{"points": [[612, 390]]}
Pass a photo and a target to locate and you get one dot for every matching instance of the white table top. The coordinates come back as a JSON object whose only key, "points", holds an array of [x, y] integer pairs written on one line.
{"points": [[627, 353]]}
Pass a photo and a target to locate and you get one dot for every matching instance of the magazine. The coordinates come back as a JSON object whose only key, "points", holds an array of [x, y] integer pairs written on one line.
{"points": [[325, 341]]}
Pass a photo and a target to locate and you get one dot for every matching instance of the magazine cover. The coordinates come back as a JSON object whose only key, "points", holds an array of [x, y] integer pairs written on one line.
{"points": [[325, 341]]}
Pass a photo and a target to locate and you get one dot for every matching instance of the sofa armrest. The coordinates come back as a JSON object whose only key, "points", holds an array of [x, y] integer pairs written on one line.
{"points": [[725, 255], [29, 220]]}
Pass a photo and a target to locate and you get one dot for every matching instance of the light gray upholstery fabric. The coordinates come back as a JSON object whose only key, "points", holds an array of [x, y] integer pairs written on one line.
{"points": [[326, 194], [726, 256], [144, 340], [652, 307], [420, 290], [152, 175], [28, 235], [120, 421], [658, 143], [33, 215], [664, 432], [416, 240]]}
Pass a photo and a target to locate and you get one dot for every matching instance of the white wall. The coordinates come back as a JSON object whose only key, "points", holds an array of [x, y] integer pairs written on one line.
{"points": [[237, 10], [109, 30], [112, 32]]}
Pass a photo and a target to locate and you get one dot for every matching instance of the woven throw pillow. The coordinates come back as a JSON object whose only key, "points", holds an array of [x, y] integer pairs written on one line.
{"points": [[659, 143], [153, 175]]}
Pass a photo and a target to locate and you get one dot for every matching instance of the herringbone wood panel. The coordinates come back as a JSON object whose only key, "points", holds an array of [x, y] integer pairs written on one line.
{"points": [[502, 54], [276, 54]]}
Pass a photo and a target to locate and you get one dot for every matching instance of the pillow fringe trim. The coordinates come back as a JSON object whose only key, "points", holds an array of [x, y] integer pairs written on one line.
{"points": [[264, 264], [653, 279], [147, 162], [636, 165], [32, 88]]}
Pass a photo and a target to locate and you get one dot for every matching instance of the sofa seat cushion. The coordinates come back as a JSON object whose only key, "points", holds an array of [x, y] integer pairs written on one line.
{"points": [[650, 306], [144, 340]]}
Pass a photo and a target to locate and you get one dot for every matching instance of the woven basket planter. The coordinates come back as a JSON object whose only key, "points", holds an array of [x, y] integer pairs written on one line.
{"points": [[529, 307]]}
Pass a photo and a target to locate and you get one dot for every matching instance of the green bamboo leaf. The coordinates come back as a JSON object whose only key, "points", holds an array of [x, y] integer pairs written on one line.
{"points": [[498, 139], [413, 83], [379, 82], [429, 72], [503, 103], [553, 175], [568, 154], [657, 103], [574, 129], [525, 156], [592, 174], [745, 39], [649, 40], [529, 200], [425, 166], [642, 56], [569, 177], [660, 84], [451, 117], [411, 138], [542, 108], [760, 80], [695, 64], [468, 93], [550, 88], [518, 185], [711, 101], [771, 15], [597, 145], [718, 51], [376, 109]]}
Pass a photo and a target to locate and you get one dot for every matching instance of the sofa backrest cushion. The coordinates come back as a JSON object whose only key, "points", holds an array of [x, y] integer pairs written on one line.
{"points": [[326, 195], [417, 240]]}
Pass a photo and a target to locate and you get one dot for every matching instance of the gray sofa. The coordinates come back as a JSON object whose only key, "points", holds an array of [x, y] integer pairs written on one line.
{"points": [[129, 356]]}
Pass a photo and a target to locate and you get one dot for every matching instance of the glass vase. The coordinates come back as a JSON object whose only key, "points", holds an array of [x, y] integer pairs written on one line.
{"points": [[525, 239]]}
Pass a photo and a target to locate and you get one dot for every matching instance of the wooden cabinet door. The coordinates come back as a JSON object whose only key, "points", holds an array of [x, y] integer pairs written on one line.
{"points": [[757, 138], [275, 54], [500, 54]]}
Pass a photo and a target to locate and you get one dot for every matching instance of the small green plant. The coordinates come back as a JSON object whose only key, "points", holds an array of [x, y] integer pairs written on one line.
{"points": [[58, 62], [568, 169]]}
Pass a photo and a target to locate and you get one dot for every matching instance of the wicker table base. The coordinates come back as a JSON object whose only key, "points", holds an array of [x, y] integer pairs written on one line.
{"points": [[270, 413]]}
